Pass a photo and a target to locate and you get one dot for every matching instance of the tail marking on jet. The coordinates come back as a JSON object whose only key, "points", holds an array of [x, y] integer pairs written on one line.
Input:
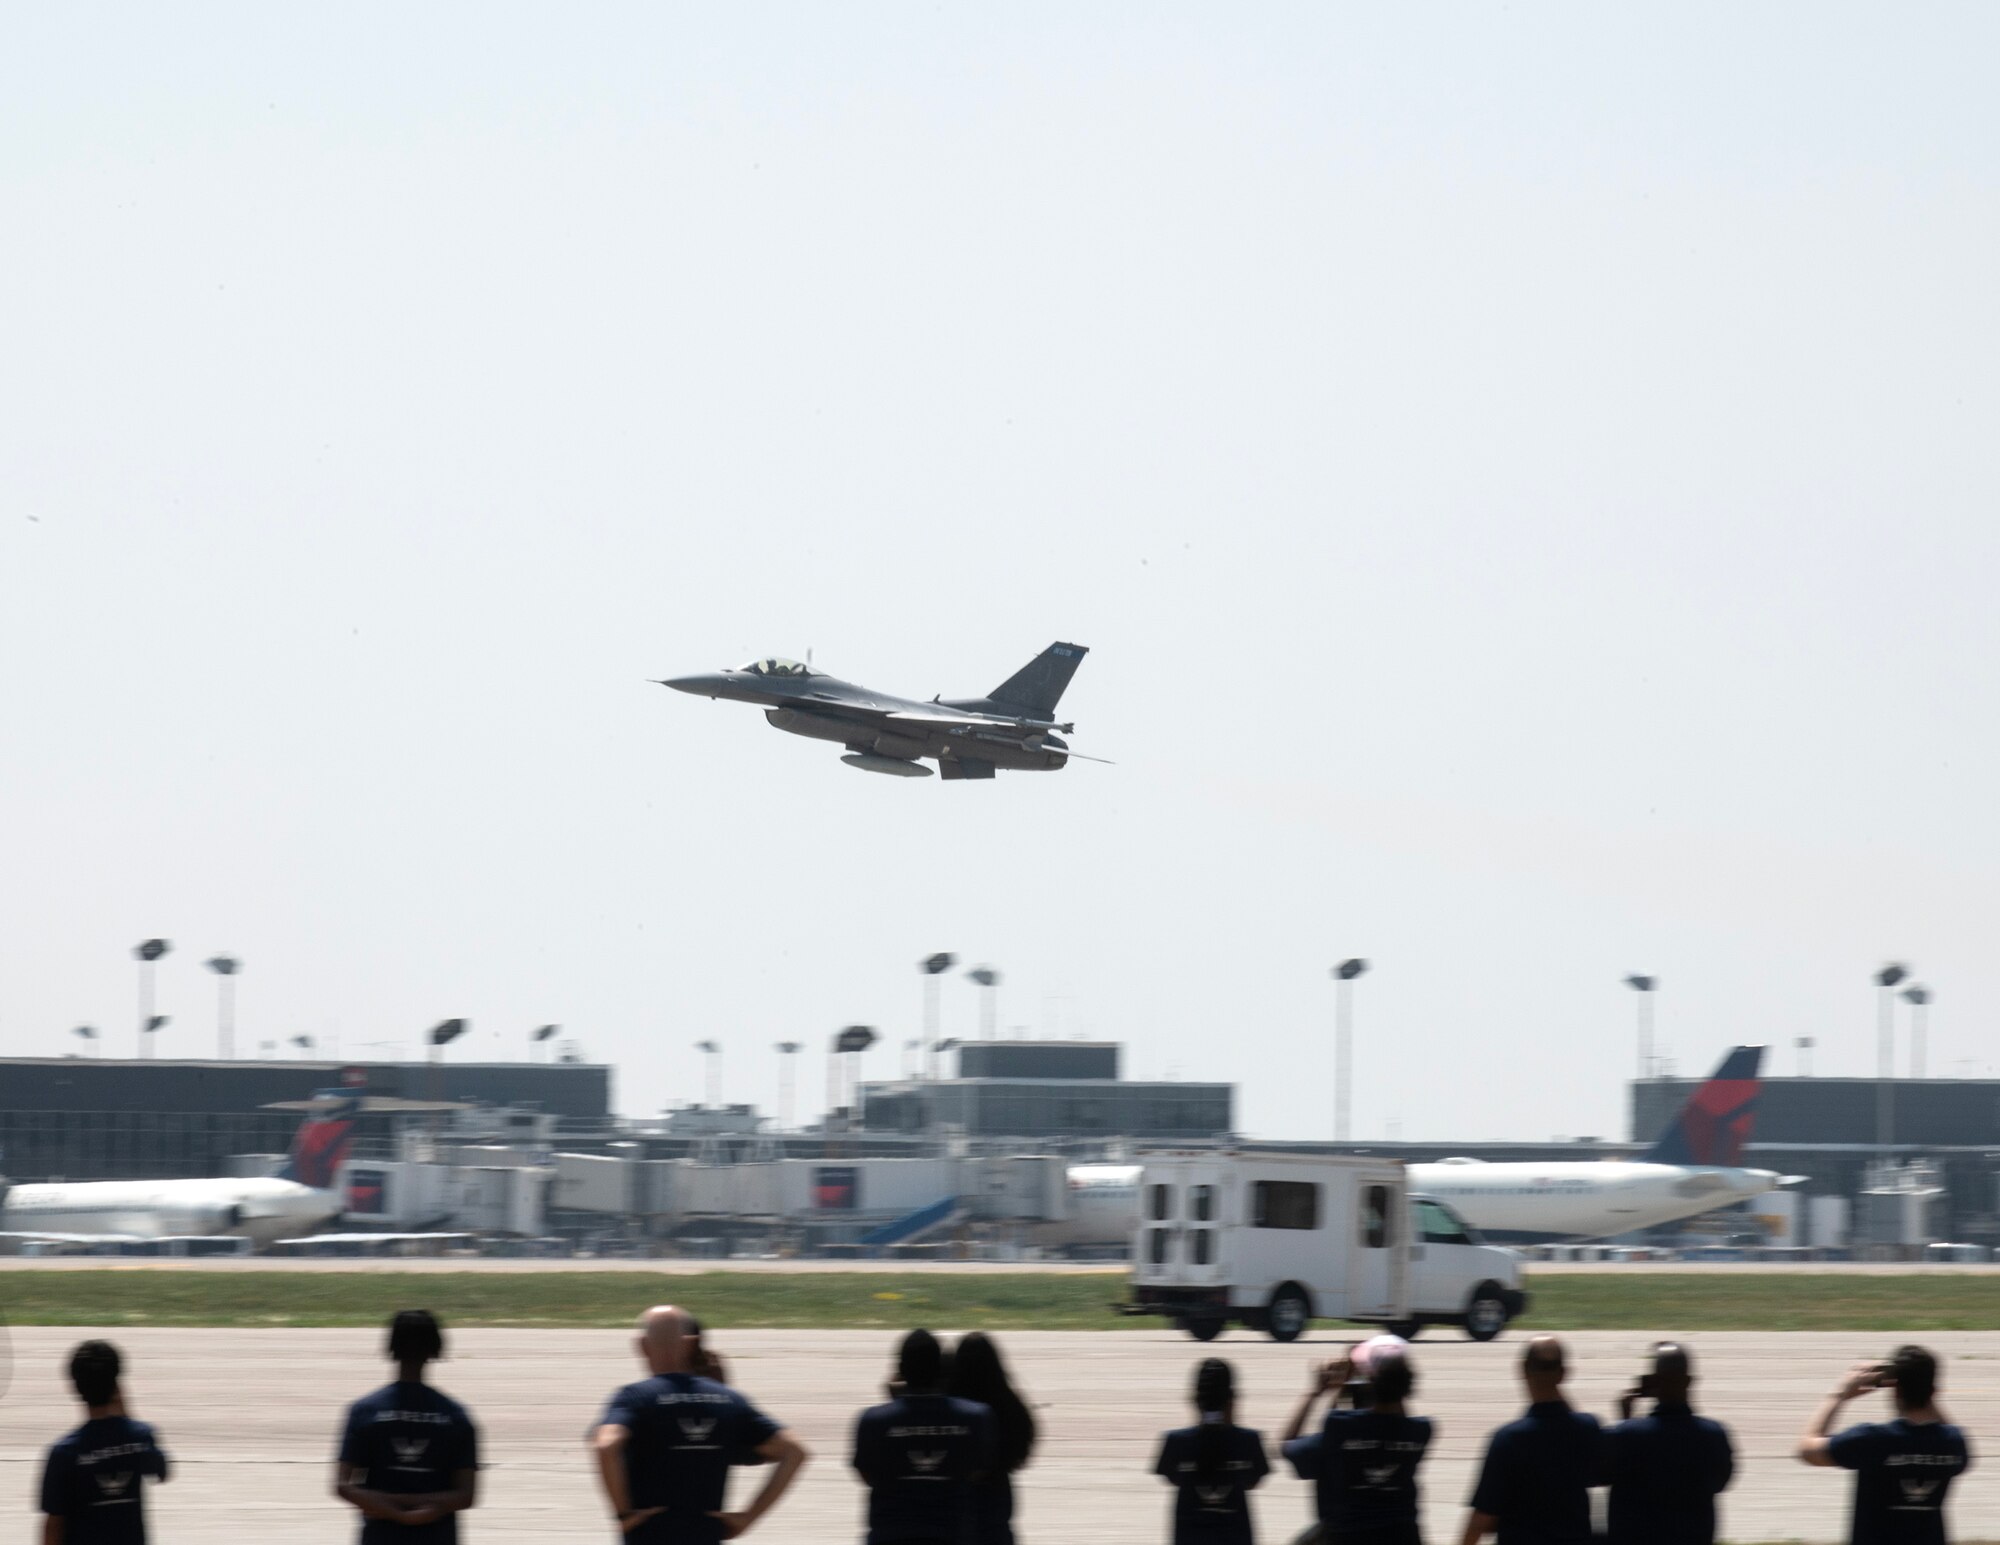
{"points": [[1714, 1126], [322, 1143]]}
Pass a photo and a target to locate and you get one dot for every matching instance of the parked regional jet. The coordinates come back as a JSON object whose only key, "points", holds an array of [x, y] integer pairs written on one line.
{"points": [[264, 1209], [1693, 1169]]}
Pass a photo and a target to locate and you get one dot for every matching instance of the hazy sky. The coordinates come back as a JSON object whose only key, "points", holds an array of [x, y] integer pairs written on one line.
{"points": [[1526, 476]]}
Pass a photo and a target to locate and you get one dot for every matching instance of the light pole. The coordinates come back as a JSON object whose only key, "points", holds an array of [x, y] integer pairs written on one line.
{"points": [[225, 968], [851, 1043], [1804, 1045], [1645, 986], [933, 966], [713, 1052], [949, 1043], [443, 1033], [913, 1053], [303, 1042], [87, 1034], [1343, 1044], [1886, 982], [538, 1035], [1919, 1000], [989, 996], [152, 1027], [146, 952], [787, 1052]]}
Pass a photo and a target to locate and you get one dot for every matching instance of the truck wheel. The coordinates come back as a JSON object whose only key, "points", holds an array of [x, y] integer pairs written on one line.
{"points": [[1485, 1312], [1290, 1313], [1203, 1329]]}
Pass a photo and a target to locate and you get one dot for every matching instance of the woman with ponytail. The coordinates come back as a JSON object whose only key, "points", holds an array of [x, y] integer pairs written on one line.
{"points": [[1213, 1465]]}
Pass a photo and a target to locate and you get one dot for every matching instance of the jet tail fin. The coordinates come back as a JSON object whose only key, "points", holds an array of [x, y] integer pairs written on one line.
{"points": [[1034, 690], [1714, 1125], [322, 1142]]}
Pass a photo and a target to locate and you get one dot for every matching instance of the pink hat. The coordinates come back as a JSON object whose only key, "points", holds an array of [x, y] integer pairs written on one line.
{"points": [[1383, 1345]]}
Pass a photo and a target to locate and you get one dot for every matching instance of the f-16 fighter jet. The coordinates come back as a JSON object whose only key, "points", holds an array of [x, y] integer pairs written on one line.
{"points": [[1013, 726]]}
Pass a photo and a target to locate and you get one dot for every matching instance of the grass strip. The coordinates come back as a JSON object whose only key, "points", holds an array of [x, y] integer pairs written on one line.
{"points": [[1831, 1300], [1011, 1301], [803, 1300]]}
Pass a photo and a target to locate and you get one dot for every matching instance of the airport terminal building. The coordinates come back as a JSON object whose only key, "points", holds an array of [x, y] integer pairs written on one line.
{"points": [[83, 1118], [1054, 1093], [1829, 1131]]}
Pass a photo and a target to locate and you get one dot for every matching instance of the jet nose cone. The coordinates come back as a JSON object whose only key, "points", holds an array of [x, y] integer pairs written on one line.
{"points": [[701, 686]]}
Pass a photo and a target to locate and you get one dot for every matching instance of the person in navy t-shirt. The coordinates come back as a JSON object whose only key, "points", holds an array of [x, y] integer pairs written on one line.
{"points": [[409, 1454], [1903, 1469], [1534, 1486], [1213, 1466], [92, 1481], [1666, 1469], [1363, 1462], [664, 1445], [979, 1374], [922, 1452]]}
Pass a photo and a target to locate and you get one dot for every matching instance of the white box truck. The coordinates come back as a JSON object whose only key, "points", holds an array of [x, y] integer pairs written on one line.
{"points": [[1275, 1241]]}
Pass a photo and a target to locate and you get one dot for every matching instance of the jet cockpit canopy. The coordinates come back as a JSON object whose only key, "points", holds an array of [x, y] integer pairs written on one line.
{"points": [[774, 666]]}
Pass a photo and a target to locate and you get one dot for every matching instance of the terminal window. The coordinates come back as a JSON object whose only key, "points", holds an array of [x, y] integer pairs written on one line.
{"points": [[1284, 1204]]}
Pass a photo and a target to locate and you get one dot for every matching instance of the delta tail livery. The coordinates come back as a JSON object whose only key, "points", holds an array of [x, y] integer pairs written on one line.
{"points": [[1694, 1168], [299, 1198]]}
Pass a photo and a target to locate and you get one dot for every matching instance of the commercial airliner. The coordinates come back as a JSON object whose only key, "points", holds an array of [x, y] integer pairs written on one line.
{"points": [[1694, 1168], [299, 1198]]}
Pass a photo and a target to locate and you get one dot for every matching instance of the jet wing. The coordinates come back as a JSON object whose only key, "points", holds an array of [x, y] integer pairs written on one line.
{"points": [[977, 721]]}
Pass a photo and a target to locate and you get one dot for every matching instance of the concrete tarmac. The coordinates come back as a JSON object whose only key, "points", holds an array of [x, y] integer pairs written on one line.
{"points": [[681, 1267], [250, 1418]]}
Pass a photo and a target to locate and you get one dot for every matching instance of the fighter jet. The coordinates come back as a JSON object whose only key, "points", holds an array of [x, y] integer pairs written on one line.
{"points": [[1013, 726]]}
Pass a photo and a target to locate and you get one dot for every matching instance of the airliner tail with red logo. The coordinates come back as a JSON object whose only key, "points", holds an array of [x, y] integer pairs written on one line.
{"points": [[301, 1197]]}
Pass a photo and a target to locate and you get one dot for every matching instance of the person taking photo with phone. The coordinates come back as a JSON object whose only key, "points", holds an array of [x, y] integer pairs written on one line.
{"points": [[1363, 1461], [1903, 1468], [1667, 1467]]}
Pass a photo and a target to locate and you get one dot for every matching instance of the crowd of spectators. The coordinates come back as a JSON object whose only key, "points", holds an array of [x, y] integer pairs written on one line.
{"points": [[939, 1454]]}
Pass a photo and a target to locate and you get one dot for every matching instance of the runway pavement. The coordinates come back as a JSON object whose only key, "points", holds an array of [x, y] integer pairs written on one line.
{"points": [[689, 1266], [249, 1417]]}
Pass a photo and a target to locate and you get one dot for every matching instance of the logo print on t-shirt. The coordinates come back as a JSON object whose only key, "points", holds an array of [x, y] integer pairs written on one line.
{"points": [[410, 1450], [927, 1461], [114, 1484], [697, 1429], [1378, 1476], [1918, 1493], [1214, 1496]]}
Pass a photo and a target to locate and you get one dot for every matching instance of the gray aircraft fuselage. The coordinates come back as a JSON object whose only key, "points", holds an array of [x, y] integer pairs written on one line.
{"points": [[967, 737]]}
